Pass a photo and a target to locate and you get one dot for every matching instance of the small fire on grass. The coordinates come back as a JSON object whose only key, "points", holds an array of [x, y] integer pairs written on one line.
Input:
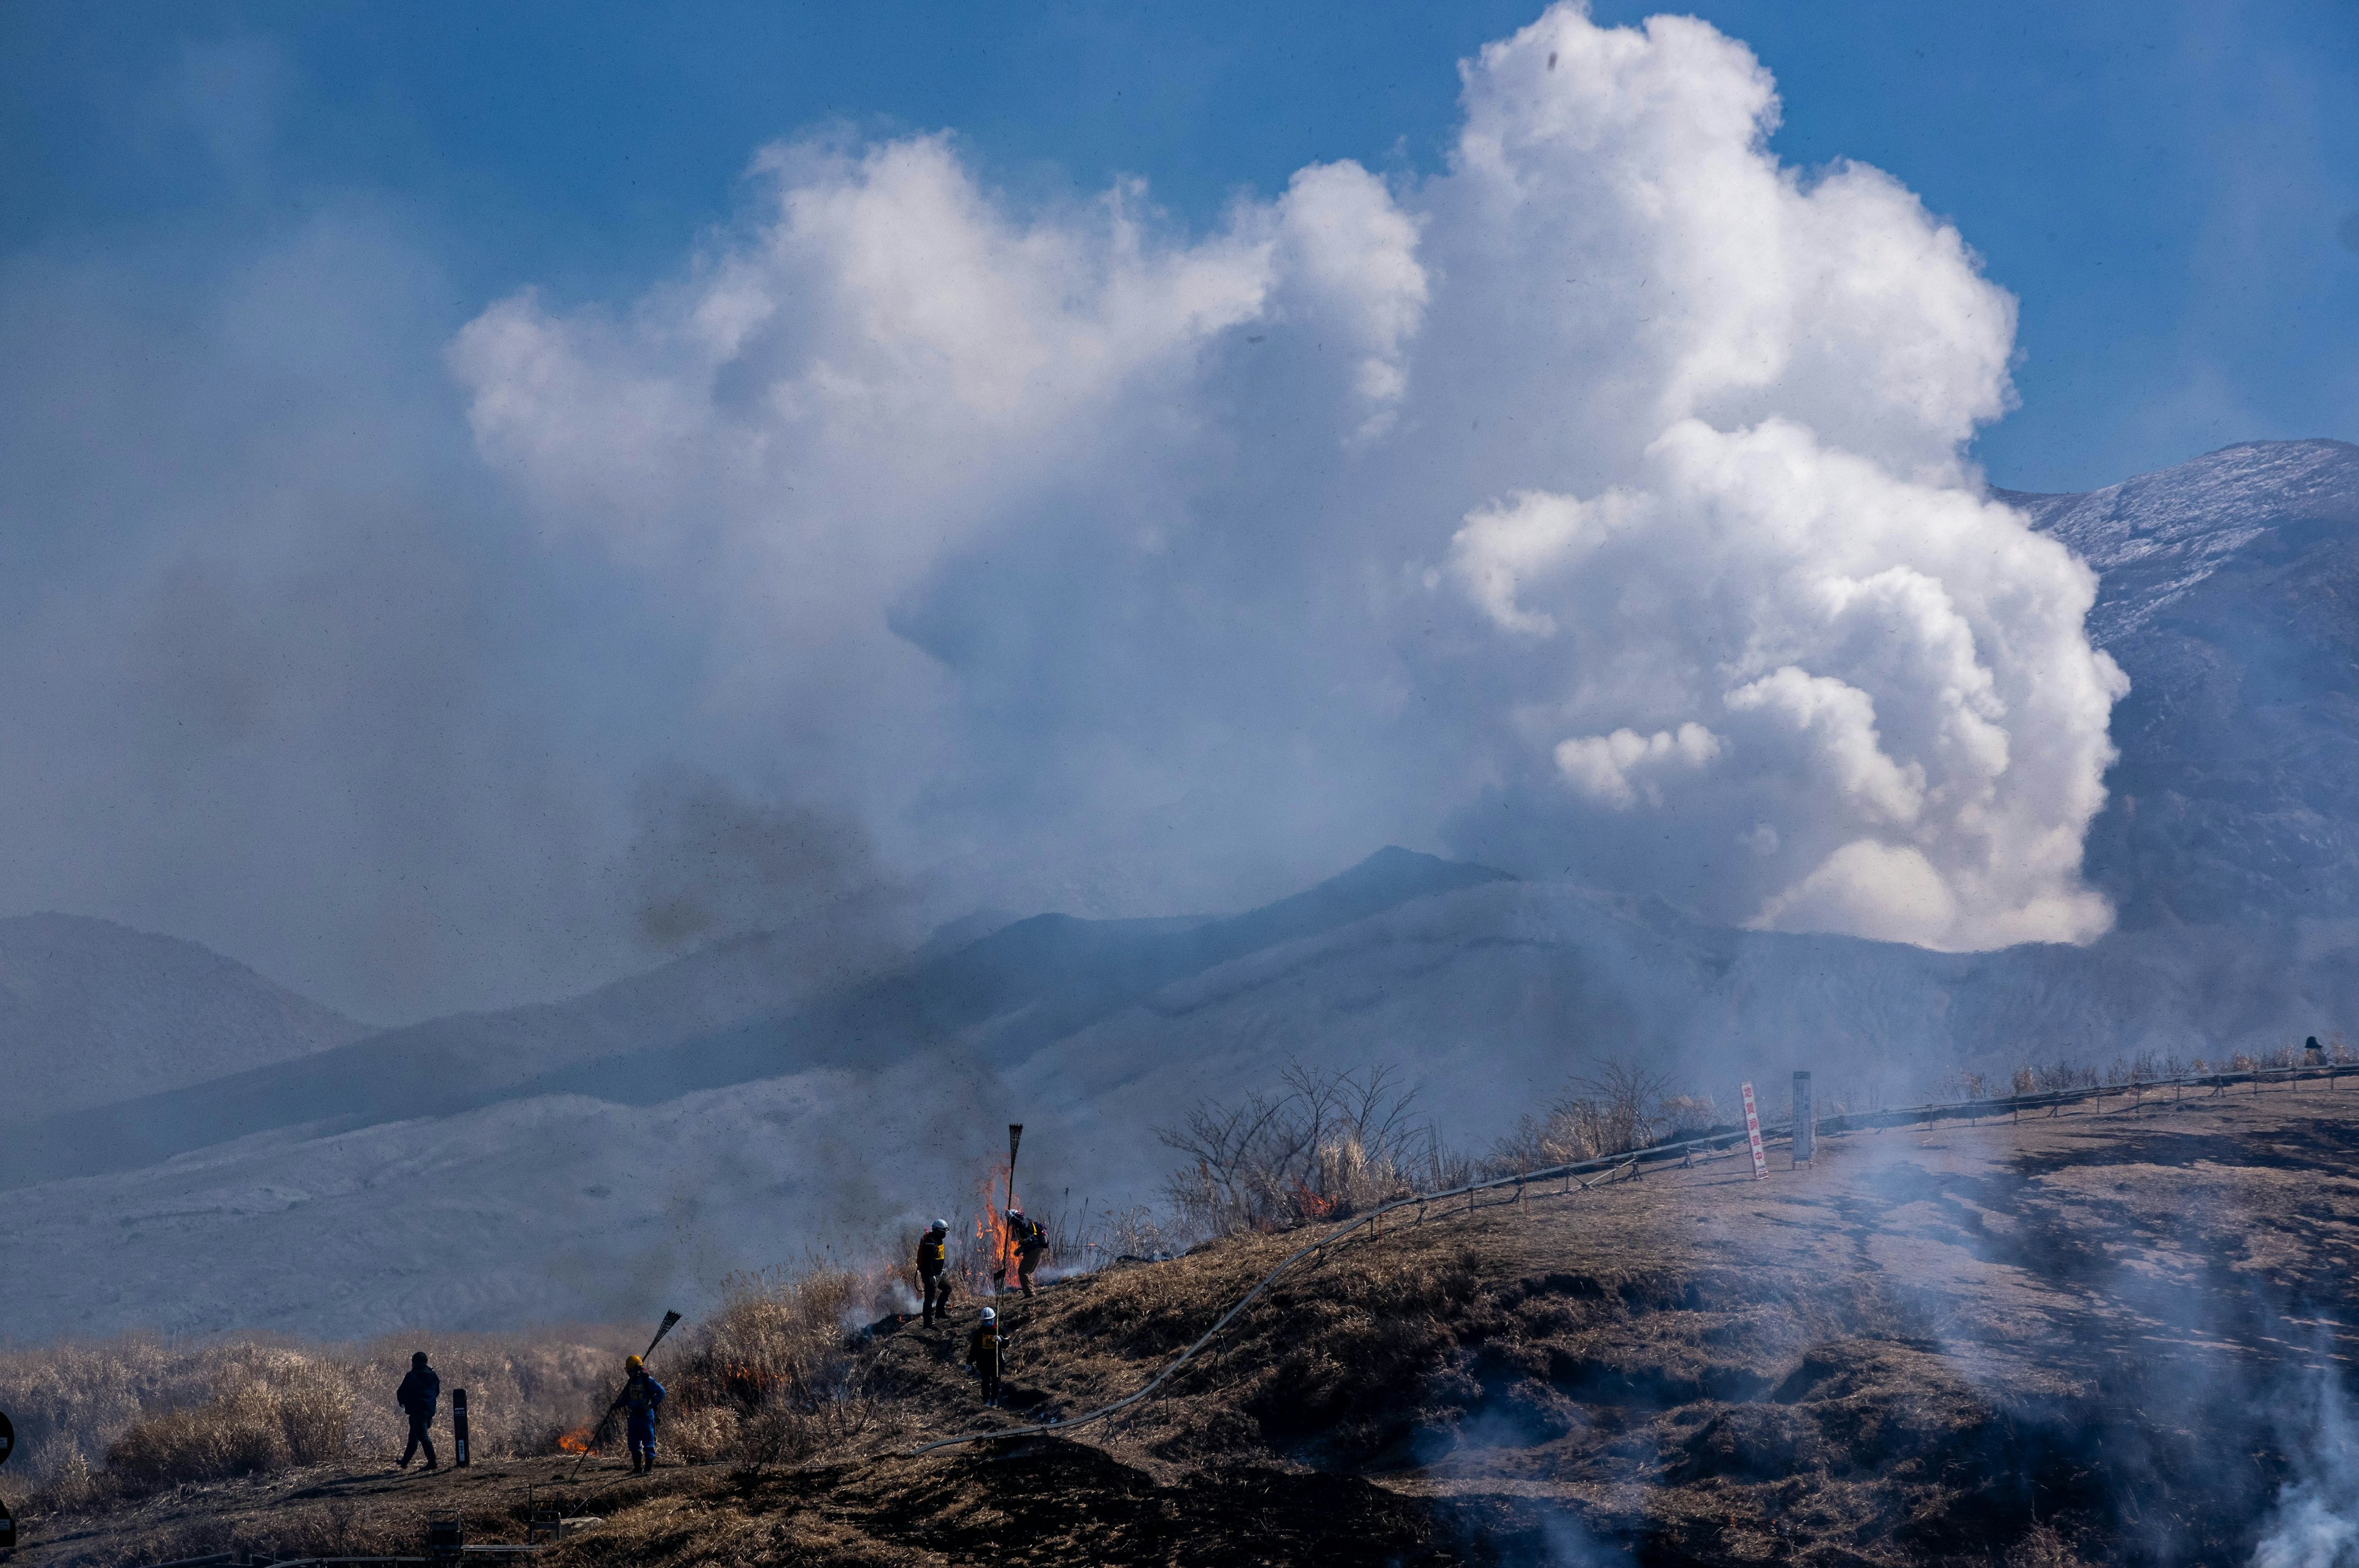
{"points": [[994, 1241], [578, 1440]]}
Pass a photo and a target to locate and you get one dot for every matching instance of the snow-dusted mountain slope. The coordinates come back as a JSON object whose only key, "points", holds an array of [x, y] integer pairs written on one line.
{"points": [[91, 1012], [2229, 592]]}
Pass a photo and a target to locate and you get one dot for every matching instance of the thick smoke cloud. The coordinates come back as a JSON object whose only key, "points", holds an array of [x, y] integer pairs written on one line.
{"points": [[1596, 505], [708, 863]]}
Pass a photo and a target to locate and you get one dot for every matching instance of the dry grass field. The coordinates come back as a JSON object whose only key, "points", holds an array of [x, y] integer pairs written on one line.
{"points": [[2111, 1336]]}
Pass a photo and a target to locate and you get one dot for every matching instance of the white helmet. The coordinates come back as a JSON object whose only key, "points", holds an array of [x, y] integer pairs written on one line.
{"points": [[989, 1316], [942, 1225]]}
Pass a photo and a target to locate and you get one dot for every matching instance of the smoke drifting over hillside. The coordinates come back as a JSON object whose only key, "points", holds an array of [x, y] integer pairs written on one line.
{"points": [[1593, 506], [1597, 503]]}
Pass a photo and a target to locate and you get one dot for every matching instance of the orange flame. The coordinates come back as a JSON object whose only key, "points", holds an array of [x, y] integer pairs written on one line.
{"points": [[578, 1440], [994, 1241], [747, 1382]]}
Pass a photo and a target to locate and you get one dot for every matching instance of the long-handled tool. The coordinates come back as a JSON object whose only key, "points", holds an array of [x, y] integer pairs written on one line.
{"points": [[671, 1319], [1007, 1235]]}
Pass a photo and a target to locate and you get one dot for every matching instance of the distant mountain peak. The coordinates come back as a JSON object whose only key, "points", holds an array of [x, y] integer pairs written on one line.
{"points": [[91, 1012]]}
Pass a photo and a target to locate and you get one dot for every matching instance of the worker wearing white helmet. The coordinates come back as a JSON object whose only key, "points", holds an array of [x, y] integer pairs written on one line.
{"points": [[983, 1349]]}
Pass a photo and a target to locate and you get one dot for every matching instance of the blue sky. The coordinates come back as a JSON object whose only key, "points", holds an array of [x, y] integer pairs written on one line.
{"points": [[2166, 187], [400, 589]]}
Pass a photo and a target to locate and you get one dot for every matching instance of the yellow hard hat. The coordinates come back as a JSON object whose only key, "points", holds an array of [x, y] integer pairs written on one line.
{"points": [[634, 1364]]}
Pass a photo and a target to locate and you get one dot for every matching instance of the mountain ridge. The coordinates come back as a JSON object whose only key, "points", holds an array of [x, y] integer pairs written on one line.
{"points": [[90, 1010], [1011, 990]]}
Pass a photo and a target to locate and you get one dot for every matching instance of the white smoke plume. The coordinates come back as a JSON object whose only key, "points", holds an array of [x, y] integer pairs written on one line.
{"points": [[1598, 505], [2316, 1522]]}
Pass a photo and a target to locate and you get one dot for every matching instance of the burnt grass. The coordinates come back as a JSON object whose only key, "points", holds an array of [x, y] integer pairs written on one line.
{"points": [[2097, 1338]]}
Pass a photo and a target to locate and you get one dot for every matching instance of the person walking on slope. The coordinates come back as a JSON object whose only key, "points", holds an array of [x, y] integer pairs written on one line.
{"points": [[418, 1394], [983, 1355], [933, 1259], [641, 1395], [1031, 1244]]}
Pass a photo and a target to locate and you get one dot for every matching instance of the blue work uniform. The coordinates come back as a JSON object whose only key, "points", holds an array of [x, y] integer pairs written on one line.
{"points": [[641, 1395]]}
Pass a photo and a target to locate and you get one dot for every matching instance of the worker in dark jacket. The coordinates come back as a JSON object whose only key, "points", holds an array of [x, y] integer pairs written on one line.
{"points": [[983, 1353], [418, 1394], [933, 1263], [1031, 1239], [641, 1395]]}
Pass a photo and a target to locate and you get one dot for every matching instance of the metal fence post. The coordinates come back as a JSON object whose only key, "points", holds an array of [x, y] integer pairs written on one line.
{"points": [[1806, 1123]]}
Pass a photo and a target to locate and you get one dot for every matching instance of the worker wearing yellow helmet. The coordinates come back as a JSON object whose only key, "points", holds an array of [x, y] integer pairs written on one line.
{"points": [[641, 1395]]}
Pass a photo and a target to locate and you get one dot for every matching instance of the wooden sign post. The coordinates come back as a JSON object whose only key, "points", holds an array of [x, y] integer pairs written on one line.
{"points": [[1753, 1135]]}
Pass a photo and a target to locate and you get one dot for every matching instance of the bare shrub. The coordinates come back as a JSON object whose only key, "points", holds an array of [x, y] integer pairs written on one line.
{"points": [[1612, 1110], [1331, 1144], [1685, 1116]]}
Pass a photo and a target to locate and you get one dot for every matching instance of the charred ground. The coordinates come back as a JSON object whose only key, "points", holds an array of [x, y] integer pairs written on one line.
{"points": [[2112, 1335]]}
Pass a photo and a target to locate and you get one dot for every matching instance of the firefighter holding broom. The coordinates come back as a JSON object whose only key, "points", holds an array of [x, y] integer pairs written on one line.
{"points": [[641, 1396]]}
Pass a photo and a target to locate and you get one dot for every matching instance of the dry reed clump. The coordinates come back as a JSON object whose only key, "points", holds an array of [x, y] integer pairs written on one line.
{"points": [[270, 1411], [110, 1417], [775, 1374]]}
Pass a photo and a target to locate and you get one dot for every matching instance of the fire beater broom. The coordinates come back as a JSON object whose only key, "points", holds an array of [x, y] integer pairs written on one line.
{"points": [[1007, 1236], [671, 1319]]}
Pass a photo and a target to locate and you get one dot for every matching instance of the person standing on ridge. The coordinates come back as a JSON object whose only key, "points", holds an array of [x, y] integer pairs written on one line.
{"points": [[983, 1355], [641, 1395], [418, 1394], [933, 1259], [1031, 1244]]}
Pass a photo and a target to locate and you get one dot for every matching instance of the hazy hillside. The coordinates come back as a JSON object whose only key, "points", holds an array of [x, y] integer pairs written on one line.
{"points": [[561, 1203], [726, 1110], [732, 1014], [91, 1012]]}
